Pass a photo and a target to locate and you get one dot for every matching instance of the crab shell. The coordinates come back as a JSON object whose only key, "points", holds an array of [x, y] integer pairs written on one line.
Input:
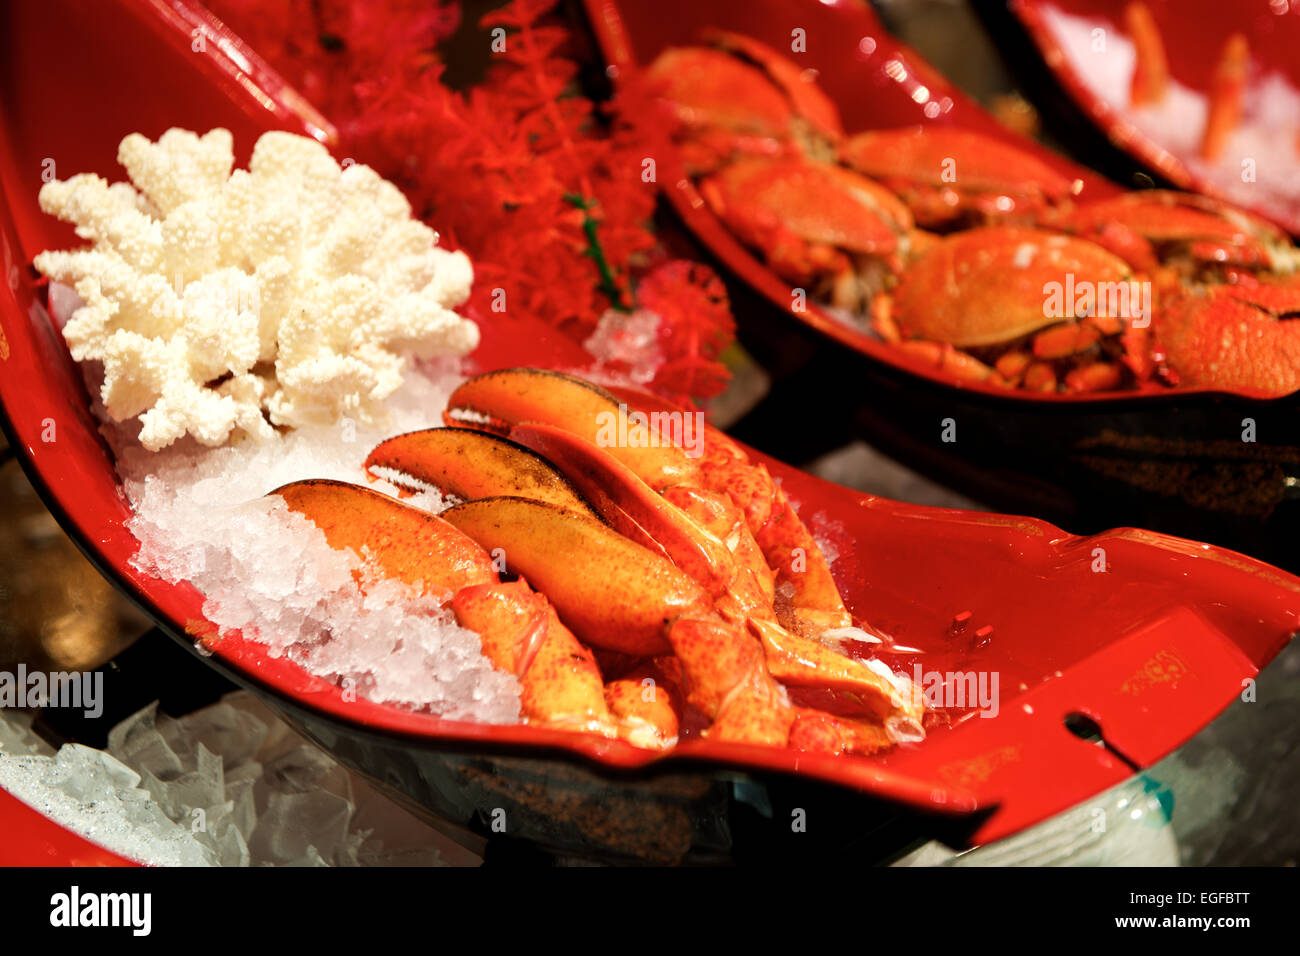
{"points": [[945, 172], [991, 285], [800, 213], [740, 96], [1244, 336]]}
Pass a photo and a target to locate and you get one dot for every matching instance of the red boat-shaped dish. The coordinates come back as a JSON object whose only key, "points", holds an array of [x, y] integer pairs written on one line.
{"points": [[1256, 170], [1146, 635], [877, 83]]}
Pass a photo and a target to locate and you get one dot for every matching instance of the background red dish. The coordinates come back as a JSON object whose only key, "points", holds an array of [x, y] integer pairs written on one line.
{"points": [[1193, 32], [1151, 649], [877, 83]]}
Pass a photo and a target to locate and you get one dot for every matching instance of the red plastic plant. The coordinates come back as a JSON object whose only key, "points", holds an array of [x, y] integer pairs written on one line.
{"points": [[546, 191]]}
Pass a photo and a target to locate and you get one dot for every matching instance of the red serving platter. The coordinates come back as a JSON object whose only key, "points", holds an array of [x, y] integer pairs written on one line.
{"points": [[1193, 32], [1151, 649], [877, 83], [31, 839]]}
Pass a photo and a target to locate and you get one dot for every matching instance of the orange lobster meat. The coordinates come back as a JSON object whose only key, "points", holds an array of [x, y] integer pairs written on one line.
{"points": [[614, 594], [657, 561], [720, 473], [560, 683]]}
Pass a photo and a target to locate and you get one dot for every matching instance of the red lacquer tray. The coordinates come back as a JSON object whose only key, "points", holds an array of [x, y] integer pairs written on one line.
{"points": [[1065, 33], [877, 83], [31, 839], [1150, 649]]}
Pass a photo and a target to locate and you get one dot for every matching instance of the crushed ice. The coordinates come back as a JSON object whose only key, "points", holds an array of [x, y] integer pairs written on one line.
{"points": [[229, 785], [200, 515]]}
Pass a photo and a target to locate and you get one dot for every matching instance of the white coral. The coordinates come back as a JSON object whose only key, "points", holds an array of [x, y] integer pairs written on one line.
{"points": [[294, 290]]}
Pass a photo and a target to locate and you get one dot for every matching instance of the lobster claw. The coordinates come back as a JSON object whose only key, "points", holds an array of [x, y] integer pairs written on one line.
{"points": [[684, 525], [632, 507], [560, 684], [633, 429], [471, 464], [406, 544], [496, 401], [618, 595], [613, 592]]}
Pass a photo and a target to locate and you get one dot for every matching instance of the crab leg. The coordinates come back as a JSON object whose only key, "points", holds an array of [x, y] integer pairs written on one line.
{"points": [[1151, 69], [1227, 89]]}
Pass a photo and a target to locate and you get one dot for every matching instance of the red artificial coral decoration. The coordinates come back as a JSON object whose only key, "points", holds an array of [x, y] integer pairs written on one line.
{"points": [[541, 188]]}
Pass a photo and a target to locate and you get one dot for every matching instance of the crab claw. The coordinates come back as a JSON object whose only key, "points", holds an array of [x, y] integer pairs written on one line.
{"points": [[471, 464], [816, 224], [405, 543], [1245, 336], [613, 592], [805, 96], [1153, 227], [741, 97]]}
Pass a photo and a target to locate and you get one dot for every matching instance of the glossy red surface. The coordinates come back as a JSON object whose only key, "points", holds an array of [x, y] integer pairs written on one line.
{"points": [[31, 839], [1193, 32], [877, 83], [1152, 647]]}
